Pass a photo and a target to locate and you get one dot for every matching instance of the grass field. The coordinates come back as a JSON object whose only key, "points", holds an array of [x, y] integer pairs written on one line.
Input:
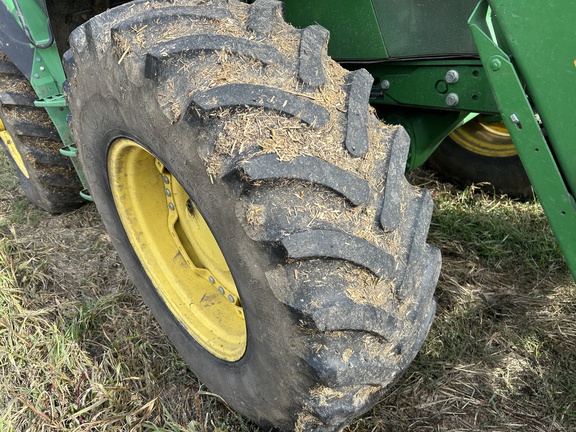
{"points": [[80, 351]]}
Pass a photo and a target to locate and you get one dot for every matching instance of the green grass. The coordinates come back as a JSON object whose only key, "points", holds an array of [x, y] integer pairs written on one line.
{"points": [[79, 350]]}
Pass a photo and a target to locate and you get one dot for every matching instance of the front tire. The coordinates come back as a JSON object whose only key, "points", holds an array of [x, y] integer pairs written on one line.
{"points": [[273, 146]]}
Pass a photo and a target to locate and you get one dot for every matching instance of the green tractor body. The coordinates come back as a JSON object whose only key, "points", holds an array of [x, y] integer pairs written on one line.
{"points": [[435, 65]]}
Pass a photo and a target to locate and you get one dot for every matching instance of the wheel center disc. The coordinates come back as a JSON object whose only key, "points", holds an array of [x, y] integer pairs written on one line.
{"points": [[486, 139], [177, 250]]}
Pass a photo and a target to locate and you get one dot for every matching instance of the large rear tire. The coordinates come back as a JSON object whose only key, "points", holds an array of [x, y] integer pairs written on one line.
{"points": [[257, 203], [32, 145]]}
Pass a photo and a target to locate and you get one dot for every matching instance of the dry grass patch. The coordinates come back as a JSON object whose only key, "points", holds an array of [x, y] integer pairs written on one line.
{"points": [[79, 350], [501, 352]]}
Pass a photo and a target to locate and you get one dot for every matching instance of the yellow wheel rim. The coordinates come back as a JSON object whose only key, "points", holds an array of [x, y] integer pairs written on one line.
{"points": [[14, 153], [492, 140], [177, 250]]}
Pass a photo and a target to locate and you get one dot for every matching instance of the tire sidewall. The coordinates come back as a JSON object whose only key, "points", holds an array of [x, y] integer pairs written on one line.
{"points": [[268, 373]]}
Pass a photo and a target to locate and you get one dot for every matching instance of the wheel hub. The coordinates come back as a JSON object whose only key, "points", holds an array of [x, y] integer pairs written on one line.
{"points": [[486, 139], [177, 249], [14, 153]]}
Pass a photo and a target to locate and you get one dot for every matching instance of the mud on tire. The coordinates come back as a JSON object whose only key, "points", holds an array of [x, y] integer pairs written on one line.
{"points": [[301, 186], [32, 145]]}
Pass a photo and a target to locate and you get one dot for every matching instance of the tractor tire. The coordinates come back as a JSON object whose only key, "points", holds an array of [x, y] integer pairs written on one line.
{"points": [[32, 145], [483, 154], [257, 203]]}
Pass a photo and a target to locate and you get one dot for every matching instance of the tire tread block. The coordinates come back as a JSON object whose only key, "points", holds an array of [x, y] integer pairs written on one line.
{"points": [[250, 95], [390, 215], [264, 16], [418, 218], [358, 100], [167, 16], [332, 405], [11, 98], [313, 45], [190, 46], [339, 245], [31, 129], [311, 169], [352, 358]]}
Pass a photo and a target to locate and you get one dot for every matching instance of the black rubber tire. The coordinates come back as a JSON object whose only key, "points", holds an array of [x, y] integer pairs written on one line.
{"points": [[505, 175], [336, 306], [52, 183]]}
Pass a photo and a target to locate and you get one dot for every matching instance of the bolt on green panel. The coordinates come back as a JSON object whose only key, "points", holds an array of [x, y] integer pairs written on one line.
{"points": [[444, 84]]}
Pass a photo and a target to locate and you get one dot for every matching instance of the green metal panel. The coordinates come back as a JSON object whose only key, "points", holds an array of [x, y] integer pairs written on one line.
{"points": [[419, 28], [378, 29], [354, 30], [542, 38], [429, 98], [13, 41], [426, 127], [445, 84], [47, 75], [537, 156]]}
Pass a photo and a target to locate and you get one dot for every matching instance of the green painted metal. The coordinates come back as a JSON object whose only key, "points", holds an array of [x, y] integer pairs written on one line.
{"points": [[443, 84], [33, 20], [417, 28], [541, 38], [539, 159], [47, 76], [430, 85], [426, 127], [354, 30], [379, 29]]}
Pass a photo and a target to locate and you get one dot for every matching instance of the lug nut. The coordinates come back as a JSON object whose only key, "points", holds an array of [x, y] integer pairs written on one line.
{"points": [[495, 64], [452, 99], [452, 76]]}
